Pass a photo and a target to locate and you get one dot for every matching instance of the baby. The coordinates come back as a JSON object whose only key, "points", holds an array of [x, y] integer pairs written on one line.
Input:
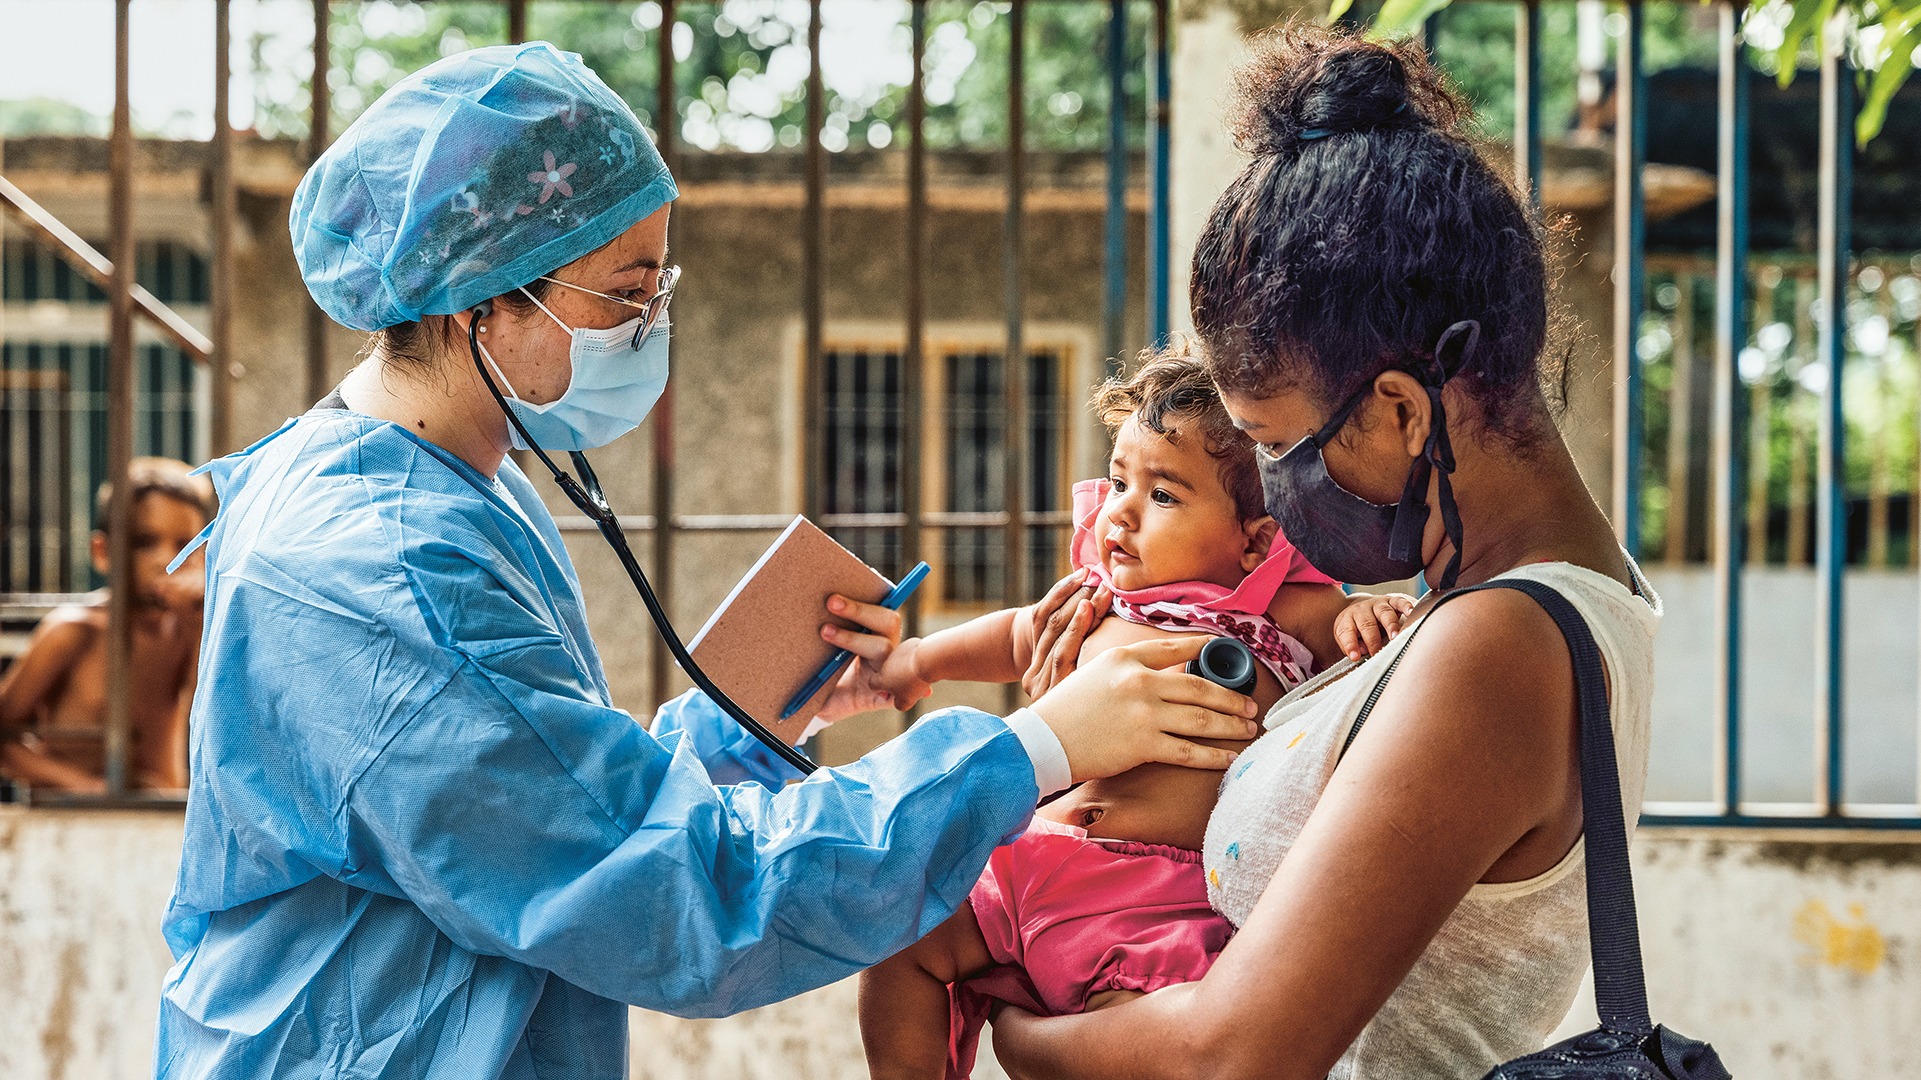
{"points": [[1104, 898]]}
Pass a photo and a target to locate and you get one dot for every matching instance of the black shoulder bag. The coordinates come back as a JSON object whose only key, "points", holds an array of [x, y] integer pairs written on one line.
{"points": [[1628, 1045]]}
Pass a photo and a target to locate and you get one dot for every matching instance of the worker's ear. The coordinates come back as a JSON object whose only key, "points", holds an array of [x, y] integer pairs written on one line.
{"points": [[98, 548]]}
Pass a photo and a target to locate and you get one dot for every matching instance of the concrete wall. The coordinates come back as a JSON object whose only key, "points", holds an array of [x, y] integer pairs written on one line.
{"points": [[1799, 956]]}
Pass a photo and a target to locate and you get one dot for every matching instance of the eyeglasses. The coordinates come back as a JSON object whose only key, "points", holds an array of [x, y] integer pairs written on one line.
{"points": [[651, 309]]}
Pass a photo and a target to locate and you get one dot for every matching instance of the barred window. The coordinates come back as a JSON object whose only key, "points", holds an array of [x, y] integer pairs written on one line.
{"points": [[864, 410]]}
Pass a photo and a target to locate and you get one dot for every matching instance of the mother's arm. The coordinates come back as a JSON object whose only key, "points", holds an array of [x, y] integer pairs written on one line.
{"points": [[1466, 770]]}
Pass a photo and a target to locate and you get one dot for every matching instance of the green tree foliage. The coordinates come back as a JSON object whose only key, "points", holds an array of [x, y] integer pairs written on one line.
{"points": [[741, 66], [1882, 40]]}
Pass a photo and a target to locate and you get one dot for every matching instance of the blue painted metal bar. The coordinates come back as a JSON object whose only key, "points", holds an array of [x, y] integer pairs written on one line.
{"points": [[1730, 398], [1764, 821], [1630, 242], [1527, 99], [1836, 188], [1114, 263], [1160, 151]]}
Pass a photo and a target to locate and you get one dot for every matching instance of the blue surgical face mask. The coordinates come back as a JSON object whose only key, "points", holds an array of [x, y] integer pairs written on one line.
{"points": [[613, 386]]}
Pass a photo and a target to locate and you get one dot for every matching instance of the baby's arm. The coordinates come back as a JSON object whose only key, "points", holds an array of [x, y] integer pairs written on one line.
{"points": [[1369, 622], [1306, 613], [993, 648], [904, 1014], [979, 650]]}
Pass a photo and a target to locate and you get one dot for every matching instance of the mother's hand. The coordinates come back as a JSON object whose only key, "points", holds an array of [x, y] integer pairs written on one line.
{"points": [[1059, 624], [1129, 706]]}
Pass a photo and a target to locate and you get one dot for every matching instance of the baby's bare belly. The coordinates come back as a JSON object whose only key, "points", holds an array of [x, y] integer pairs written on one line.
{"points": [[1152, 804]]}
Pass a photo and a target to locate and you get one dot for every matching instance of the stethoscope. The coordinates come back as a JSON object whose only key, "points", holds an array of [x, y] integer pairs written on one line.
{"points": [[585, 493]]}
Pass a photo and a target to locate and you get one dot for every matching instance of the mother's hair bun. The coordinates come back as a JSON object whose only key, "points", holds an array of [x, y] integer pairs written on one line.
{"points": [[1302, 83]]}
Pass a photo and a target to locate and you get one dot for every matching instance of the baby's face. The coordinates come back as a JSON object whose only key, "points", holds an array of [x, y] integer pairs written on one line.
{"points": [[1168, 518]]}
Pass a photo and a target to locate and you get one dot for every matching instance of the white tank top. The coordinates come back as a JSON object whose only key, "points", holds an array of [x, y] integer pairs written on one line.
{"points": [[1502, 972]]}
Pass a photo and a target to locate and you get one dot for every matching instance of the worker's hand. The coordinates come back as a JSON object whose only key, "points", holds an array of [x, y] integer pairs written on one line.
{"points": [[1368, 623], [860, 688], [1132, 705], [1061, 621]]}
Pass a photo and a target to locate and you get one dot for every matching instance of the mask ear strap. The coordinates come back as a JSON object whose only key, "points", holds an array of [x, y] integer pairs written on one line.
{"points": [[1339, 420], [1436, 456], [544, 308], [1439, 450]]}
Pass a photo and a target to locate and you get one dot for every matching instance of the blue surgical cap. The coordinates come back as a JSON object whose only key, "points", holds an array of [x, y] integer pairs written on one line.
{"points": [[471, 177]]}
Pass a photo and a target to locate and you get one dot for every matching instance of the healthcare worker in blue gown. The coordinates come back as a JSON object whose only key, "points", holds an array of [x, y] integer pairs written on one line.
{"points": [[421, 842]]}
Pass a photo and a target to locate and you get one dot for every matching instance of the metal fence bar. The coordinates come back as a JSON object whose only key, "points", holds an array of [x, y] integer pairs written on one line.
{"points": [[913, 358], [317, 138], [1731, 437], [1630, 241], [1836, 186], [813, 268], [220, 281], [97, 269], [660, 668], [120, 364], [1114, 263], [945, 519], [517, 19], [1527, 99], [1680, 422], [1160, 179], [1014, 361]]}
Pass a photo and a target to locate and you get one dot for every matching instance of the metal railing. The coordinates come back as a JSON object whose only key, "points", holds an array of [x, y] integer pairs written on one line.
{"points": [[1728, 437]]}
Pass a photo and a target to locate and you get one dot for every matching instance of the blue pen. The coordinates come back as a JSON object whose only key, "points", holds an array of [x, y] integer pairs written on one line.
{"points": [[895, 598]]}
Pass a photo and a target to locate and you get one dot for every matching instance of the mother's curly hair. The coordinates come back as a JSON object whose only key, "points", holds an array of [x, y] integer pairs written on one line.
{"points": [[1363, 226]]}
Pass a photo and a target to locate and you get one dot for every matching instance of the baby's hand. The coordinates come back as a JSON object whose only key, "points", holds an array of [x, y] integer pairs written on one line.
{"points": [[900, 676], [1369, 622]]}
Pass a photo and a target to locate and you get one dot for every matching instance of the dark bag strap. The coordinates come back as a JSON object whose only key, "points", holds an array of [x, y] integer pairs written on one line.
{"points": [[1614, 936]]}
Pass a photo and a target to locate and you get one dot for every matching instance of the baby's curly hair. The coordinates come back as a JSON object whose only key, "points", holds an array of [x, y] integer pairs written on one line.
{"points": [[1170, 386]]}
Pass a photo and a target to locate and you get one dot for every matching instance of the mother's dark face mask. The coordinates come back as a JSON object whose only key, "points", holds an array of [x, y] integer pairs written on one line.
{"points": [[1347, 537]]}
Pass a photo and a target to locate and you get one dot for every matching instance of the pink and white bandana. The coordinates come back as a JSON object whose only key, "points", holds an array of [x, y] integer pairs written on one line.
{"points": [[1202, 606]]}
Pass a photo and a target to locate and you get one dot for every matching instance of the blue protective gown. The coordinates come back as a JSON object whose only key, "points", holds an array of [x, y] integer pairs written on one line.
{"points": [[421, 843]]}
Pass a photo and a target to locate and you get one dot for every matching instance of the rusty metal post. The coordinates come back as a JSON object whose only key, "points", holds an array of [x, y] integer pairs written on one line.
{"points": [[1013, 363], [316, 142], [517, 20], [666, 103], [813, 271], [912, 358], [220, 371], [1527, 99], [120, 381]]}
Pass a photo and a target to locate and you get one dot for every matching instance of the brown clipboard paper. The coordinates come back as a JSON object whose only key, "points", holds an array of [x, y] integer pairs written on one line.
{"points": [[763, 642]]}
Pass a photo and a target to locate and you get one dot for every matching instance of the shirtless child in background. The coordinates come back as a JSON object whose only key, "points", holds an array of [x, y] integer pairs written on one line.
{"points": [[53, 699]]}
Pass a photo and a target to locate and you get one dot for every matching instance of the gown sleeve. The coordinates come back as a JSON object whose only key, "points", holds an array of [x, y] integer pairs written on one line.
{"points": [[527, 820], [730, 752]]}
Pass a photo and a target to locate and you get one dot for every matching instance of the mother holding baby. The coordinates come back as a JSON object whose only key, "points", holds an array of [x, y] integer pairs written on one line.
{"points": [[1409, 893]]}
